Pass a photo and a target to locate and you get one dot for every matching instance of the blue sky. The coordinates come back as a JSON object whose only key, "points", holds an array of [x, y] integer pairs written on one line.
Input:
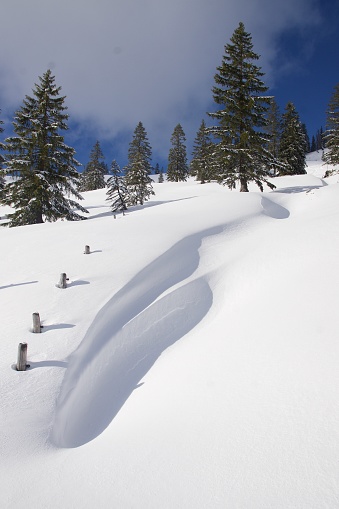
{"points": [[124, 61]]}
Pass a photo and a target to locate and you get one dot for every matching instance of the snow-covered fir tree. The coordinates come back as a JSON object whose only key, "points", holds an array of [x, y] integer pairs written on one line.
{"points": [[93, 176], [292, 150], [161, 177], [273, 127], [138, 181], [331, 156], [177, 169], [201, 163], [45, 167], [242, 153], [307, 138], [117, 192]]}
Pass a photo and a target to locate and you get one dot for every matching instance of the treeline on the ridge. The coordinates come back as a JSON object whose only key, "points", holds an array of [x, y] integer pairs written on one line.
{"points": [[250, 141]]}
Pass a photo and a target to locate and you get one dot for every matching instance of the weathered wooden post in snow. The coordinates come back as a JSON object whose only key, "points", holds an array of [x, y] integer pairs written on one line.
{"points": [[63, 281], [36, 323], [87, 250], [21, 364]]}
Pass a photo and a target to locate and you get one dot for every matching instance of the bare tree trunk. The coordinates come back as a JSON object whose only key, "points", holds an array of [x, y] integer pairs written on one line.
{"points": [[243, 185]]}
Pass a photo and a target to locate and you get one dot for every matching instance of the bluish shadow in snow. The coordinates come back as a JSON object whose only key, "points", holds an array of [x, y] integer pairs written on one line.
{"points": [[46, 364], [146, 205], [46, 328], [272, 209], [18, 284], [299, 189], [125, 339], [77, 283]]}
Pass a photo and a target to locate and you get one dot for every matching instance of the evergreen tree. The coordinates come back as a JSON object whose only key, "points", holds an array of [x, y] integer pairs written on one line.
{"points": [[292, 143], [313, 144], [177, 169], [138, 181], [273, 128], [242, 154], [320, 139], [45, 166], [161, 177], [201, 164], [157, 169], [93, 176], [331, 156], [117, 192], [307, 139]]}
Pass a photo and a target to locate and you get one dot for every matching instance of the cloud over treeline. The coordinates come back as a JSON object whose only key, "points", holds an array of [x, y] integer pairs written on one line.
{"points": [[122, 61]]}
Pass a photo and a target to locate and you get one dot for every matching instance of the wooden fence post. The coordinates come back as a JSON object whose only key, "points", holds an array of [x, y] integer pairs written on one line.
{"points": [[21, 364], [87, 250], [63, 281], [36, 323]]}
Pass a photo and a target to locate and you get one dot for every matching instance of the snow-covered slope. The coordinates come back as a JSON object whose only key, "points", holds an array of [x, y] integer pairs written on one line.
{"points": [[192, 361]]}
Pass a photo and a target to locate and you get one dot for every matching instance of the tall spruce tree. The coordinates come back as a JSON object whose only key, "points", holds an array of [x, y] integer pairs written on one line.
{"points": [[292, 151], [138, 181], [201, 164], [93, 176], [44, 165], [177, 169], [273, 127], [331, 156], [307, 138], [313, 144], [117, 192], [241, 154]]}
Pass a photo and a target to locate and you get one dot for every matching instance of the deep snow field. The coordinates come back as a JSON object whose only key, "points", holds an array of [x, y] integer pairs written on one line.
{"points": [[192, 362]]}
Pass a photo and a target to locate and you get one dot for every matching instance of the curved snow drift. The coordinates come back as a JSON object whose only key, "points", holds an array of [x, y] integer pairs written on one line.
{"points": [[127, 336]]}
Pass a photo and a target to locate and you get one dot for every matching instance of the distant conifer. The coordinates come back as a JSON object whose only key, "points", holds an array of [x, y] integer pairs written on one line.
{"points": [[117, 192], [177, 169], [138, 181], [292, 151], [93, 176], [331, 156], [201, 164]]}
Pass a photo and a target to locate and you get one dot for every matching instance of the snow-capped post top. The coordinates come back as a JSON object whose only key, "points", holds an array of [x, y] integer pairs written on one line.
{"points": [[63, 281], [21, 364], [87, 250], [36, 323]]}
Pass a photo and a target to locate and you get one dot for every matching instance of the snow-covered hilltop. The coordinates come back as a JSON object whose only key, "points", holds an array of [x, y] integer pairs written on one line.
{"points": [[192, 360]]}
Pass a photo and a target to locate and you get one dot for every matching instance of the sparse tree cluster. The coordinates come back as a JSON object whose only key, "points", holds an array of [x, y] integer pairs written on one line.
{"points": [[250, 141]]}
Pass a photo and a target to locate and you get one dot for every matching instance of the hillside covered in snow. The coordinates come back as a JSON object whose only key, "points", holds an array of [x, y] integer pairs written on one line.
{"points": [[192, 360]]}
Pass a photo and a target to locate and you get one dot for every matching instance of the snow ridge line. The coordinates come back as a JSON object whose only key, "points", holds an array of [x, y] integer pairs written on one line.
{"points": [[125, 339]]}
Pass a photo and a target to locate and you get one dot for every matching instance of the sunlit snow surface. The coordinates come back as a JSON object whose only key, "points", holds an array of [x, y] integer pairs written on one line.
{"points": [[192, 361]]}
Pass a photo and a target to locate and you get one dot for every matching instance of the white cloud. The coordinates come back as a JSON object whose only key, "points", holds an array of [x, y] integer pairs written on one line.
{"points": [[122, 61]]}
